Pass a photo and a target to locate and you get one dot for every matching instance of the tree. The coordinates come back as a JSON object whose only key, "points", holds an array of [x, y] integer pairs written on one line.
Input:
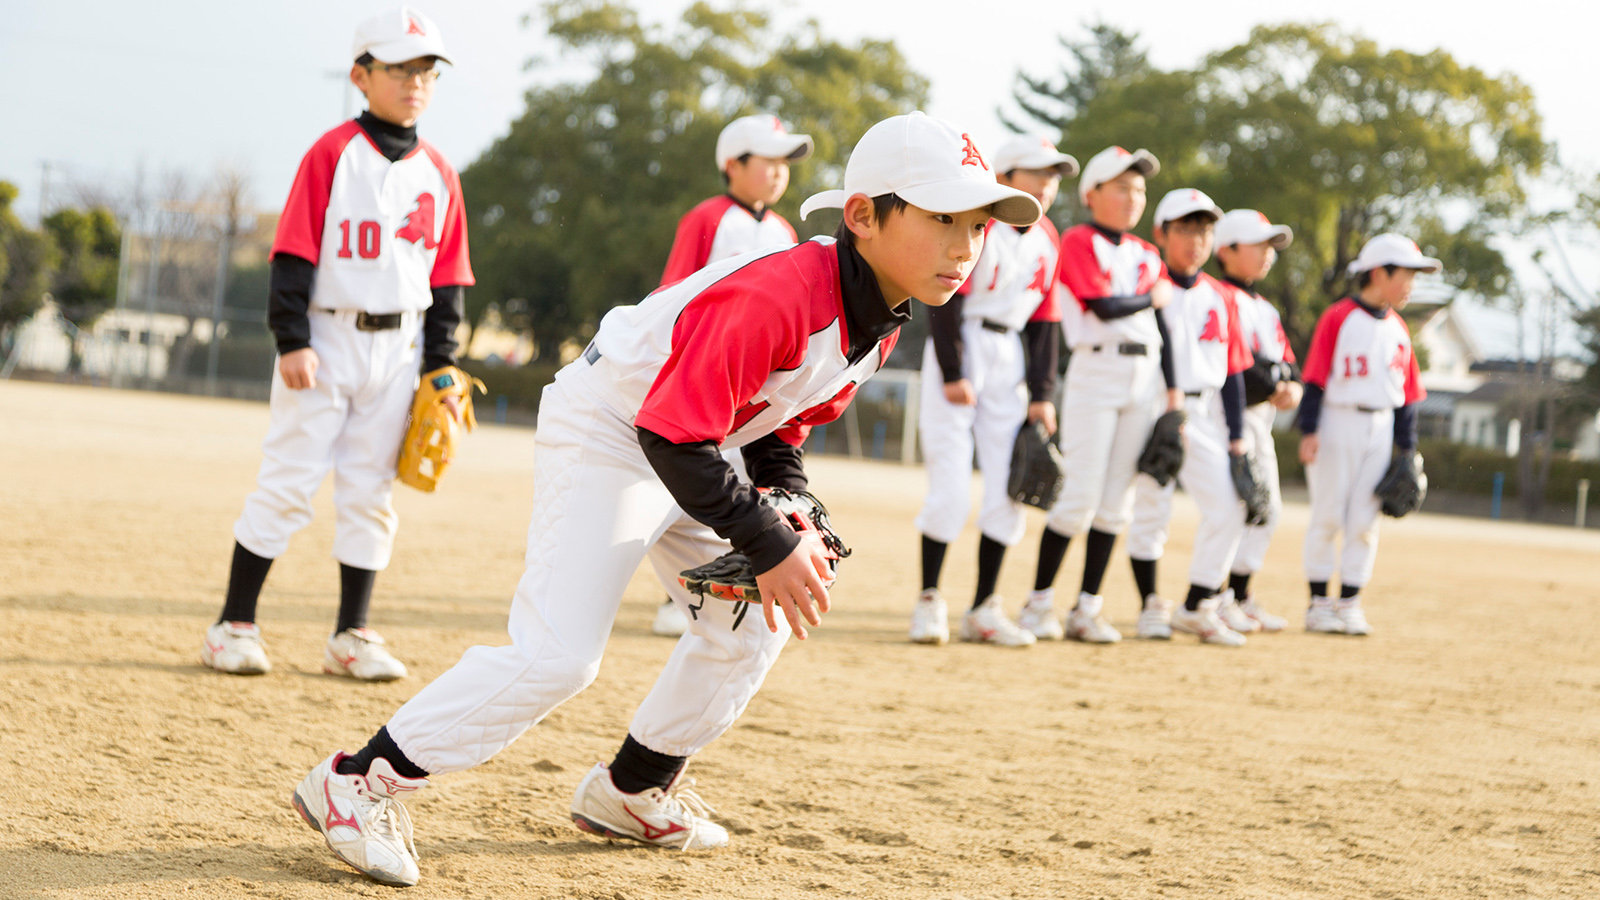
{"points": [[85, 282], [574, 210], [27, 259]]}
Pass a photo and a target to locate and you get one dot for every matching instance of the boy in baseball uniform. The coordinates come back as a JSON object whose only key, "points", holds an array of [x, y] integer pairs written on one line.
{"points": [[1208, 355], [990, 365], [1362, 387], [1247, 245], [753, 154], [1119, 366], [749, 352], [368, 269]]}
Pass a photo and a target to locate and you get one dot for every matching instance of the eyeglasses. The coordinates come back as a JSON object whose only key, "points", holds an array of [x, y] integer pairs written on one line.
{"points": [[427, 73]]}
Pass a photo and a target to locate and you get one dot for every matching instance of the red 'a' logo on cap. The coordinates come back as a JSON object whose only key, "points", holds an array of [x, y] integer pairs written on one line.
{"points": [[970, 155], [413, 28], [419, 223]]}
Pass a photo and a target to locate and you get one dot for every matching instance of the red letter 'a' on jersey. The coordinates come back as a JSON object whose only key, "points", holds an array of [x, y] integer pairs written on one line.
{"points": [[419, 223]]}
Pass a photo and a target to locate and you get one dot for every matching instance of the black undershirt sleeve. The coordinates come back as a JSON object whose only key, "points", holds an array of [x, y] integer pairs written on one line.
{"points": [[1169, 368], [1310, 410], [1108, 308], [289, 300], [1041, 347], [705, 487], [439, 327], [1233, 405], [774, 462], [944, 326], [1405, 427]]}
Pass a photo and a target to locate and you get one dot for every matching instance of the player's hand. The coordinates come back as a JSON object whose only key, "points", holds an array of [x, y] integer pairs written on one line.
{"points": [[299, 368], [799, 586], [453, 404], [1161, 294], [1308, 449], [1174, 399], [960, 393], [1043, 411], [1236, 448], [1287, 396]]}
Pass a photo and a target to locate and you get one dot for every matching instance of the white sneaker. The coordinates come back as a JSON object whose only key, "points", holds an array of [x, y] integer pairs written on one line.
{"points": [[362, 818], [670, 620], [1038, 616], [1269, 623], [1155, 620], [930, 619], [359, 653], [1206, 624], [1349, 612], [1232, 616], [986, 623], [1085, 624], [666, 818], [235, 648], [1321, 618]]}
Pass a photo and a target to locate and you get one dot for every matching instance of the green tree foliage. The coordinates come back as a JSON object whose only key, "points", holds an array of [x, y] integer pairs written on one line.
{"points": [[574, 210], [1327, 132], [85, 281], [27, 259]]}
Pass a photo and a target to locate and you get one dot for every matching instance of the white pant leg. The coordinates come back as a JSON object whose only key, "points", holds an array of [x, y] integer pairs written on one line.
{"points": [[1343, 435], [1095, 391], [717, 666], [1002, 408], [1152, 514], [1207, 480], [1134, 421], [945, 430], [1362, 511], [596, 507], [1252, 553], [368, 449]]}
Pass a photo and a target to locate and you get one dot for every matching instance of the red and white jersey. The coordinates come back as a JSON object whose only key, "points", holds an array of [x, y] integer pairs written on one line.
{"points": [[1011, 284], [1091, 267], [720, 228], [1363, 360], [697, 360], [381, 234], [1263, 327], [1207, 340]]}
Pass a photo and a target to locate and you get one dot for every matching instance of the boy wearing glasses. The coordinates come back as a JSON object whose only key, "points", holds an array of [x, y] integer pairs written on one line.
{"points": [[368, 269]]}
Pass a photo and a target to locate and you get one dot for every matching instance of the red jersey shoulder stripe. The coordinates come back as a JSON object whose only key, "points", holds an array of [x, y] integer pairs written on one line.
{"points": [[300, 228]]}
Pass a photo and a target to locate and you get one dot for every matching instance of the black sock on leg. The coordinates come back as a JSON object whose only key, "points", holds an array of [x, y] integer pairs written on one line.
{"points": [[991, 553], [382, 746], [1197, 594], [1096, 556], [1144, 575], [355, 595], [932, 561], [1240, 585], [1052, 549], [1319, 589], [1346, 591], [245, 578], [638, 768]]}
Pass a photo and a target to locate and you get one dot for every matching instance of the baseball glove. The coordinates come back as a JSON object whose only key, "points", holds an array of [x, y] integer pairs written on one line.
{"points": [[431, 435], [1163, 452], [1404, 486], [1262, 378], [730, 576], [1251, 487], [1037, 471]]}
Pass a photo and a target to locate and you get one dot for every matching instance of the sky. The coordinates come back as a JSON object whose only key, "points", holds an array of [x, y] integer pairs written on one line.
{"points": [[98, 89]]}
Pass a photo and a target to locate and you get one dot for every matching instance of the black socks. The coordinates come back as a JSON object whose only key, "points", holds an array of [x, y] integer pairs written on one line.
{"points": [[380, 747], [1052, 549], [1144, 575], [1096, 555], [638, 768], [932, 561], [990, 554], [1240, 584], [1196, 594], [245, 578], [355, 595]]}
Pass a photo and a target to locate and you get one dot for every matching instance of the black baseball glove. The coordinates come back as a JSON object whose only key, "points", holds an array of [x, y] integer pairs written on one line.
{"points": [[1261, 380], [1162, 456], [1251, 486], [1037, 471], [1404, 486], [730, 576]]}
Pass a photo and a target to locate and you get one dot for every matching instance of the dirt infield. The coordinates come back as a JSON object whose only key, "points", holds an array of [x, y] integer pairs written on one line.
{"points": [[1455, 753]]}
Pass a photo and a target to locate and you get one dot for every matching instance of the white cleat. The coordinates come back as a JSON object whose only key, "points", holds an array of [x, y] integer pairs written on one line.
{"points": [[986, 623], [1269, 623], [1155, 620], [1349, 612], [1206, 624], [1038, 616], [235, 648], [930, 619], [362, 819], [675, 818], [359, 653], [1232, 616], [670, 620], [1321, 618], [1085, 624]]}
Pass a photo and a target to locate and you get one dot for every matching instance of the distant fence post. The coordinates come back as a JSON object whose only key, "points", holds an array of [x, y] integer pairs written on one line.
{"points": [[500, 404], [1583, 500], [1494, 500]]}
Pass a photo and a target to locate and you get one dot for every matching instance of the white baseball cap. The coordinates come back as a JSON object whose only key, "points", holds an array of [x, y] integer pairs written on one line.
{"points": [[1033, 151], [1183, 201], [1390, 249], [929, 164], [761, 135], [398, 35], [1248, 226], [1111, 162]]}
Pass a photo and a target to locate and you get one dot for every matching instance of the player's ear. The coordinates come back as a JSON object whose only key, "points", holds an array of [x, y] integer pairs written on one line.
{"points": [[359, 76], [860, 216]]}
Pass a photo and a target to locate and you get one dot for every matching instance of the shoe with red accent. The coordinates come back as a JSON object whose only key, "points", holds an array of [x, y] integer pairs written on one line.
{"points": [[1269, 623], [675, 818], [1206, 624], [1085, 622], [987, 623], [359, 653], [235, 648], [362, 818], [1233, 615]]}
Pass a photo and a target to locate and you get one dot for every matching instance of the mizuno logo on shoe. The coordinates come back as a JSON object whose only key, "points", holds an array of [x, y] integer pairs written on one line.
{"points": [[652, 833], [334, 819]]}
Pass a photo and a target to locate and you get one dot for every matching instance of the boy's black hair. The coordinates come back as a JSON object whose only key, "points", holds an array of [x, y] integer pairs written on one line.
{"points": [[1365, 278], [882, 206], [1198, 215], [742, 158], [365, 60]]}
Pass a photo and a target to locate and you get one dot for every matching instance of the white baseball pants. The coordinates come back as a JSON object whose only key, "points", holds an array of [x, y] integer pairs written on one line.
{"points": [[352, 422], [1252, 553], [1353, 452], [1106, 414], [993, 362], [598, 510]]}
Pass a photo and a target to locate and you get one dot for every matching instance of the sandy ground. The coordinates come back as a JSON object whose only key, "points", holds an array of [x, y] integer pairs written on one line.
{"points": [[1455, 753]]}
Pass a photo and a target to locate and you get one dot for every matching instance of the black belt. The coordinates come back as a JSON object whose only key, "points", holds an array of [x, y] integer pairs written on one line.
{"points": [[366, 321], [1193, 393], [1371, 409], [591, 354], [1126, 348], [992, 325]]}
